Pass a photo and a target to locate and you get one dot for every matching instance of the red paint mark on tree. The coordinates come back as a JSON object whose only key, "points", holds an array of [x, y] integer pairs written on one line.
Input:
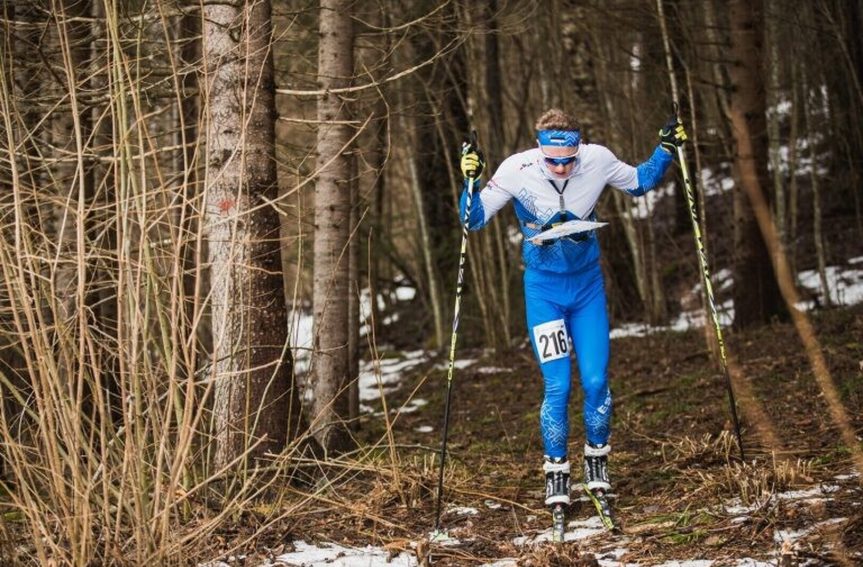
{"points": [[226, 205]]}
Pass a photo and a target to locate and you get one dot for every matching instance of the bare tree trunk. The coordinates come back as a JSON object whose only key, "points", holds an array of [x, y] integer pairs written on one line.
{"points": [[598, 98], [793, 160], [354, 303], [817, 233], [253, 394], [330, 407], [431, 273], [774, 63], [756, 294]]}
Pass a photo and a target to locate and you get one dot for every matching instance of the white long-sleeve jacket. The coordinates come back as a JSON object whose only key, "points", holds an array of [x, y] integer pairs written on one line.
{"points": [[542, 200]]}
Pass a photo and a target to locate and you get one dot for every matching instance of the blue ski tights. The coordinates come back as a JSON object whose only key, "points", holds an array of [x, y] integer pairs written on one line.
{"points": [[560, 307]]}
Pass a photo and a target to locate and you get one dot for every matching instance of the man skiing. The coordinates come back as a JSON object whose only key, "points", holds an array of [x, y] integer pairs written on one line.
{"points": [[558, 181]]}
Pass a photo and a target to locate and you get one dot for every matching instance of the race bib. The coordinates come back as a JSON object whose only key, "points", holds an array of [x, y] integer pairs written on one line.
{"points": [[551, 340]]}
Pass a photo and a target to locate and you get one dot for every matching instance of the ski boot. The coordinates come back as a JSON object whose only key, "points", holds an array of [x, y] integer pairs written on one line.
{"points": [[557, 494], [596, 483]]}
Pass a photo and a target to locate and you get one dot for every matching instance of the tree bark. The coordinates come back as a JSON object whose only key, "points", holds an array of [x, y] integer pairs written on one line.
{"points": [[756, 294], [774, 63], [330, 407], [253, 394]]}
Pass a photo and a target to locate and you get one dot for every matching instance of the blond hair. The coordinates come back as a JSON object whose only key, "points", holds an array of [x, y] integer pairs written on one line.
{"points": [[556, 119]]}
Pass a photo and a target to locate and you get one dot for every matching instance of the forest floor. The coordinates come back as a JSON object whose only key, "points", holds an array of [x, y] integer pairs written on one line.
{"points": [[683, 498]]}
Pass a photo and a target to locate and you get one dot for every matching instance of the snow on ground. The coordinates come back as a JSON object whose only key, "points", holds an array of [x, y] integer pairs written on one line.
{"points": [[457, 364], [845, 283], [384, 376], [333, 555], [301, 322], [576, 530], [490, 370], [608, 549], [376, 377]]}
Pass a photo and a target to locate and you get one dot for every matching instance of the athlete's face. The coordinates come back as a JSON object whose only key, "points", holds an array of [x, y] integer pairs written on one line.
{"points": [[559, 160]]}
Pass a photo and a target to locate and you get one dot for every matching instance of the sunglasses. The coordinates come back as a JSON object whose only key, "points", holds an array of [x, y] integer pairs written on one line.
{"points": [[560, 161]]}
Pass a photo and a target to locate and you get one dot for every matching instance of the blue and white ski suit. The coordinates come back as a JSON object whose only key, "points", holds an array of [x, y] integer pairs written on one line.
{"points": [[564, 289]]}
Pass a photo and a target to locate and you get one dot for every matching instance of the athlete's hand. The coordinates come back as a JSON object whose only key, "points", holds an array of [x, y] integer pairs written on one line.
{"points": [[472, 160], [672, 135]]}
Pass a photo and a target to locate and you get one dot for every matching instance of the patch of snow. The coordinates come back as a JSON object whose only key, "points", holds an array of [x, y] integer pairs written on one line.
{"points": [[846, 288], [458, 364], [490, 370], [782, 107], [630, 330], [424, 429], [815, 491], [334, 555], [576, 530], [300, 331], [846, 285], [790, 536], [781, 536], [448, 542], [635, 61], [389, 372], [722, 280], [642, 206], [462, 511], [405, 293], [492, 505], [412, 406], [849, 476], [714, 184], [612, 557], [734, 508], [390, 319]]}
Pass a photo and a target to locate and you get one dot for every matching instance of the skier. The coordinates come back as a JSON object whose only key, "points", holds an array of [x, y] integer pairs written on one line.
{"points": [[558, 181]]}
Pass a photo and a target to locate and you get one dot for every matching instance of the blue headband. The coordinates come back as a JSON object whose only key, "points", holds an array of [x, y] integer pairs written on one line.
{"points": [[561, 138]]}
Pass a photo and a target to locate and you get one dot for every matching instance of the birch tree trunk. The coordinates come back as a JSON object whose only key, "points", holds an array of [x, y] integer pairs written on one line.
{"points": [[329, 377], [253, 391]]}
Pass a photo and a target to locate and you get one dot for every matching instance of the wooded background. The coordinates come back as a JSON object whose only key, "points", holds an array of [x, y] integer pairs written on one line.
{"points": [[180, 178]]}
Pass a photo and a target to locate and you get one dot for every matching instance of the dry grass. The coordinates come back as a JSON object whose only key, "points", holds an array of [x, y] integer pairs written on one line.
{"points": [[708, 463], [107, 429]]}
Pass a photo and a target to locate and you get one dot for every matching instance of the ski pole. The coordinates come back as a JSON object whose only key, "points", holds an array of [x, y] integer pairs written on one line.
{"points": [[708, 287], [459, 288]]}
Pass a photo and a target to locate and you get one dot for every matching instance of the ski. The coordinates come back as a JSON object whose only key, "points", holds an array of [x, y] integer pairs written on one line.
{"points": [[603, 509], [558, 526]]}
